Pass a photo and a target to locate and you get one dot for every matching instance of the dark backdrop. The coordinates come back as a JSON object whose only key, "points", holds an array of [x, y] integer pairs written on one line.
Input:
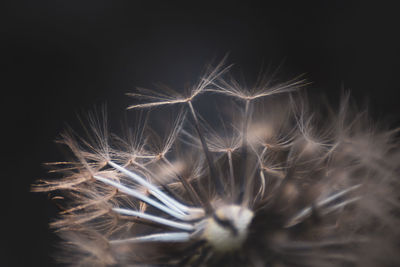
{"points": [[61, 57]]}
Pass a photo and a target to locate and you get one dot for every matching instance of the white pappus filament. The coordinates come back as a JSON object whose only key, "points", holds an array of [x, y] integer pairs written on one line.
{"points": [[241, 176]]}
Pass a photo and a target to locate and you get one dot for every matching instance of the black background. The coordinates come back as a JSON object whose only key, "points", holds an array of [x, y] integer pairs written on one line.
{"points": [[62, 57]]}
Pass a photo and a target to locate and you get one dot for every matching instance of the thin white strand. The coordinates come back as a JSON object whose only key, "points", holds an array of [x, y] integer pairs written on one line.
{"points": [[178, 225], [152, 189], [337, 195], [307, 211], [170, 202], [298, 218], [142, 197], [340, 205], [164, 237]]}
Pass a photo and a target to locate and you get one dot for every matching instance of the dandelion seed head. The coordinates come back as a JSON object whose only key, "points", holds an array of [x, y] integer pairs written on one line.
{"points": [[261, 179]]}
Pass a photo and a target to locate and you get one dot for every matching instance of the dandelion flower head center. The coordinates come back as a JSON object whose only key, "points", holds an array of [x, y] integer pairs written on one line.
{"points": [[227, 228]]}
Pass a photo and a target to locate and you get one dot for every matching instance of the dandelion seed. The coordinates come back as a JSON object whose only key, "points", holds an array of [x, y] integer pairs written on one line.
{"points": [[268, 184]]}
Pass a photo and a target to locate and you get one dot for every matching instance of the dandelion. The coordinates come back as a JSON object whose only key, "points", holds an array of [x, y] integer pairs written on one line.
{"points": [[264, 181]]}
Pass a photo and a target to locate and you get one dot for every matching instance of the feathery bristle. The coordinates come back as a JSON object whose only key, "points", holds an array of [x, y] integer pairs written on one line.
{"points": [[262, 179]]}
